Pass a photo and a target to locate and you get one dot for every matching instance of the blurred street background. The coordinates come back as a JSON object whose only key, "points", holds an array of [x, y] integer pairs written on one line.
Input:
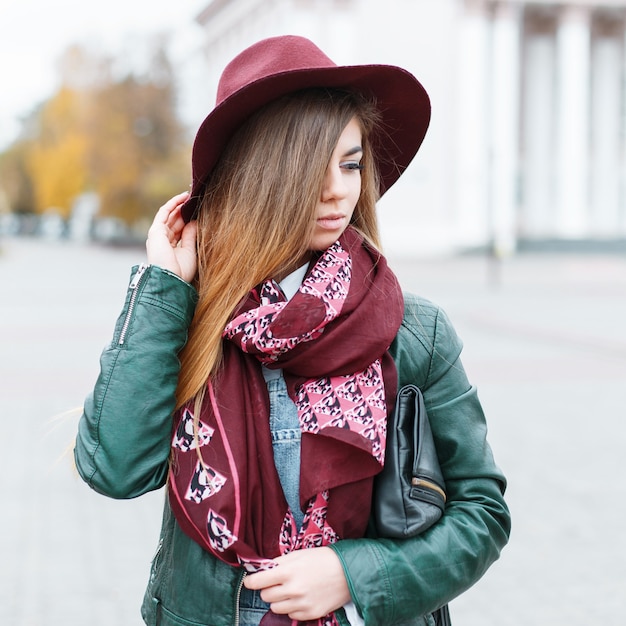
{"points": [[545, 344]]}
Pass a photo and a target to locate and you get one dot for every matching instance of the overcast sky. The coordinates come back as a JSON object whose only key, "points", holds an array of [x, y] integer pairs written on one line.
{"points": [[34, 33]]}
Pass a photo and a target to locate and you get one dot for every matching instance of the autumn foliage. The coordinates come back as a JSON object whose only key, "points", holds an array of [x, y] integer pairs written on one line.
{"points": [[117, 137]]}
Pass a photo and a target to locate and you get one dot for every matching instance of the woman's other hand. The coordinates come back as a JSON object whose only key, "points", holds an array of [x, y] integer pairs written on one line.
{"points": [[305, 584], [171, 243]]}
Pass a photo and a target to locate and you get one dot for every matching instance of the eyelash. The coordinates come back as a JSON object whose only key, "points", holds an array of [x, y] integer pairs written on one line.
{"points": [[352, 166]]}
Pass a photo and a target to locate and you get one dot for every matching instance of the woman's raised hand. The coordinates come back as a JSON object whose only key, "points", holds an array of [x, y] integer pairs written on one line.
{"points": [[171, 243]]}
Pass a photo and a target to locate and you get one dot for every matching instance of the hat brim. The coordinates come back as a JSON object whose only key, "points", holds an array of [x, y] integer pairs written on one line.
{"points": [[402, 101]]}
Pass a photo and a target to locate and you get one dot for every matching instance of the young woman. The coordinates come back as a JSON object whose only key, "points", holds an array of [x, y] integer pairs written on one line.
{"points": [[259, 353]]}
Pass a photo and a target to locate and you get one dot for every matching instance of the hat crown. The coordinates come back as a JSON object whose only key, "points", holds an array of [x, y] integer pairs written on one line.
{"points": [[270, 57]]}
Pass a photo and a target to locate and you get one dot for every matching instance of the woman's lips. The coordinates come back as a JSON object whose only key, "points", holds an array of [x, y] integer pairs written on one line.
{"points": [[330, 222]]}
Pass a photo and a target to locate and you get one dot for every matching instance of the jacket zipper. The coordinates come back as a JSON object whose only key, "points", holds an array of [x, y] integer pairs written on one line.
{"points": [[134, 285], [418, 482], [237, 598]]}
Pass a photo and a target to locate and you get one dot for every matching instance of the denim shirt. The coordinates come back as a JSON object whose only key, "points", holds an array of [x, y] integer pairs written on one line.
{"points": [[286, 436], [284, 424]]}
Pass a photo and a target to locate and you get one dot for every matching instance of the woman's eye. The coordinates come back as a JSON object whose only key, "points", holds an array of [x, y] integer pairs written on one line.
{"points": [[351, 165]]}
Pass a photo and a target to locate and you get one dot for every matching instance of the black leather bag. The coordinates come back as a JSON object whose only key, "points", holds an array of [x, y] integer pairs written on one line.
{"points": [[409, 493]]}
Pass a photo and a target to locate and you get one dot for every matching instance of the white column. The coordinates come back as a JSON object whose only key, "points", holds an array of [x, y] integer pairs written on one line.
{"points": [[538, 210], [505, 74], [573, 43], [472, 114], [621, 230], [605, 135]]}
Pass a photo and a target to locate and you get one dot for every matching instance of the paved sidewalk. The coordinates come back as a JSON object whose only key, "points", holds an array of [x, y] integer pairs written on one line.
{"points": [[545, 344]]}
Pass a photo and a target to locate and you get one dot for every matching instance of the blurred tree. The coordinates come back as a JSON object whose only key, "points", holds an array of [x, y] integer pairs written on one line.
{"points": [[117, 136], [56, 159], [139, 155], [15, 180]]}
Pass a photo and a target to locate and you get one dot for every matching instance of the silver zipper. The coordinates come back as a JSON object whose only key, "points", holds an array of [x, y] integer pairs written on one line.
{"points": [[237, 598], [134, 285]]}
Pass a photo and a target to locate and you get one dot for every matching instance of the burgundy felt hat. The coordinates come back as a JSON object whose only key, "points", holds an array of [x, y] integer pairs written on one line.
{"points": [[277, 66]]}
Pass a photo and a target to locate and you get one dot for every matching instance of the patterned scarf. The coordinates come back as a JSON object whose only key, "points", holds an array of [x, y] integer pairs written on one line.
{"points": [[331, 340]]}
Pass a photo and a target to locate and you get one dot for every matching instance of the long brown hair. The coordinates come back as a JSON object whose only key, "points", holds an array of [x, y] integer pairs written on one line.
{"points": [[258, 211]]}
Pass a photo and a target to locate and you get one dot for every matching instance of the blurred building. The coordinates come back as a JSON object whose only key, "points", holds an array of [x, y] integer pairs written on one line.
{"points": [[527, 141]]}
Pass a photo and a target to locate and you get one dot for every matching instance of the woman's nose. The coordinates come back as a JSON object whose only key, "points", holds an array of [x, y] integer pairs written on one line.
{"points": [[334, 185]]}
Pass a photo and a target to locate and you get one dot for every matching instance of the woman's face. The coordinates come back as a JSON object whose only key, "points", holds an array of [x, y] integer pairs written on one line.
{"points": [[341, 188]]}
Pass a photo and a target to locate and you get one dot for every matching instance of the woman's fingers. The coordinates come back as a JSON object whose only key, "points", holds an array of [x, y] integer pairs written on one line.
{"points": [[171, 243], [186, 252], [305, 584], [169, 216]]}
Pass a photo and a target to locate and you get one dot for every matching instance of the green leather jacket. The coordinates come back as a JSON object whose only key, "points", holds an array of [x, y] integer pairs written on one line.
{"points": [[123, 446]]}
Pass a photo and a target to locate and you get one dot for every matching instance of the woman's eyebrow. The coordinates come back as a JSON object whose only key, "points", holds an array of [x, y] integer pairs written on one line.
{"points": [[354, 150]]}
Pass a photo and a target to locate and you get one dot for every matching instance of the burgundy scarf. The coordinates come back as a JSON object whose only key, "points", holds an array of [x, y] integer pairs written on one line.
{"points": [[331, 340]]}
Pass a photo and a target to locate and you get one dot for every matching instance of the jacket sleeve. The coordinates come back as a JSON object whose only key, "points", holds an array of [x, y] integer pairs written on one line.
{"points": [[124, 433], [393, 581]]}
